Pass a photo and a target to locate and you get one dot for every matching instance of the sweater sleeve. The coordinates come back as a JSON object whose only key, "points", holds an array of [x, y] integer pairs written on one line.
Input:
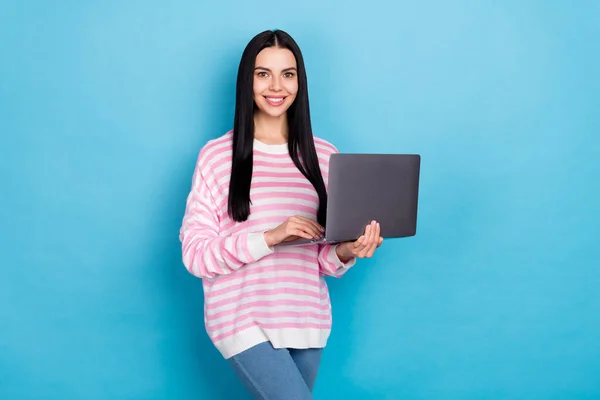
{"points": [[329, 262], [206, 254]]}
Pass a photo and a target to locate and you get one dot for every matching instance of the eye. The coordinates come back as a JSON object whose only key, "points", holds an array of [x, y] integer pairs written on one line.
{"points": [[261, 74], [289, 75]]}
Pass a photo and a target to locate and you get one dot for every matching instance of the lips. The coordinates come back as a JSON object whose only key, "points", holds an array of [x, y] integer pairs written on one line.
{"points": [[274, 101]]}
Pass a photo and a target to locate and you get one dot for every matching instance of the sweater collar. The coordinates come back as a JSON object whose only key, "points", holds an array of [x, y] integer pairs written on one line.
{"points": [[270, 148]]}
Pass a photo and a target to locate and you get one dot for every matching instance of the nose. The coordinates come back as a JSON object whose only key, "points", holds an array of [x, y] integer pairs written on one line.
{"points": [[275, 84]]}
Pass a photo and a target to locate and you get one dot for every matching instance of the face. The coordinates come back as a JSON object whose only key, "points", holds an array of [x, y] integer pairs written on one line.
{"points": [[275, 81]]}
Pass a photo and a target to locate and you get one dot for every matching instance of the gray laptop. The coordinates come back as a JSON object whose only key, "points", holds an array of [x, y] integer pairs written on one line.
{"points": [[367, 187]]}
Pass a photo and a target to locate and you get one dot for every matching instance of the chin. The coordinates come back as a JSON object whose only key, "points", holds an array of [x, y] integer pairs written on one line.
{"points": [[275, 113]]}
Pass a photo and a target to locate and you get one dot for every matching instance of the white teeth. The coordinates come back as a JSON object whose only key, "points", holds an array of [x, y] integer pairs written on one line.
{"points": [[275, 99]]}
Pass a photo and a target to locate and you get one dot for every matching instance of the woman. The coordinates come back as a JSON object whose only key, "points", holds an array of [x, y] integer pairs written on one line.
{"points": [[267, 308]]}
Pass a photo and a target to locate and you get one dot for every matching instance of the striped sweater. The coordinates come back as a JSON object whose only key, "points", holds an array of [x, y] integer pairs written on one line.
{"points": [[254, 293]]}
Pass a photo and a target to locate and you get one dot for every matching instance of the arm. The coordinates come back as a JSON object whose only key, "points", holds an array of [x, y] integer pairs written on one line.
{"points": [[336, 260], [330, 263], [205, 253]]}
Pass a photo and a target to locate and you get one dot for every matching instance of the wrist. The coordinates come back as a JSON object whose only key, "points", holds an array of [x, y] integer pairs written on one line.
{"points": [[341, 250], [269, 238]]}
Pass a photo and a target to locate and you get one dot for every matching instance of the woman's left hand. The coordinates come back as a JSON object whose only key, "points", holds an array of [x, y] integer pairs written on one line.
{"points": [[363, 247]]}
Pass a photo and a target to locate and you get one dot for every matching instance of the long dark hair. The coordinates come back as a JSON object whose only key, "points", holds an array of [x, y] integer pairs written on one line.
{"points": [[300, 136]]}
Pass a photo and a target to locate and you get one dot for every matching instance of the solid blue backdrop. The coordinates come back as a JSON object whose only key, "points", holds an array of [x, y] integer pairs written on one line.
{"points": [[105, 105]]}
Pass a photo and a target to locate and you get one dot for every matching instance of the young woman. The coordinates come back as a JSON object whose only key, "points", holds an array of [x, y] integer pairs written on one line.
{"points": [[267, 308]]}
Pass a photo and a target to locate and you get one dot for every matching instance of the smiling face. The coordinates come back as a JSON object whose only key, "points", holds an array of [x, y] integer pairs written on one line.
{"points": [[275, 81]]}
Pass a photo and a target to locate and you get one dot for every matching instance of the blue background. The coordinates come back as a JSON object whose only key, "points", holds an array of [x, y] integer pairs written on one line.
{"points": [[105, 105]]}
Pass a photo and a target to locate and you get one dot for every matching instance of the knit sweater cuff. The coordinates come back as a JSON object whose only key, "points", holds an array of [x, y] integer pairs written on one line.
{"points": [[257, 246], [333, 258]]}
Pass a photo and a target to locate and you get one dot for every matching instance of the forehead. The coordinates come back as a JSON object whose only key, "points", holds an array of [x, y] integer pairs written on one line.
{"points": [[275, 58]]}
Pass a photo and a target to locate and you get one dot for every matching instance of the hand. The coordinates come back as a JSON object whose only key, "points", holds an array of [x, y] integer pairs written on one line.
{"points": [[363, 247], [293, 228]]}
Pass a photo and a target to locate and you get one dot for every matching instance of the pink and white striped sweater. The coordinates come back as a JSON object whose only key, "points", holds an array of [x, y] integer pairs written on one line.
{"points": [[254, 293]]}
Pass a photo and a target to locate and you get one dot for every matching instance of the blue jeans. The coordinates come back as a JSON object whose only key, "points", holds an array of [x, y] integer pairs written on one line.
{"points": [[270, 373]]}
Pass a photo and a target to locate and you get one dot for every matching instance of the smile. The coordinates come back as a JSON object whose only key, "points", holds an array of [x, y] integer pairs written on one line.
{"points": [[274, 101]]}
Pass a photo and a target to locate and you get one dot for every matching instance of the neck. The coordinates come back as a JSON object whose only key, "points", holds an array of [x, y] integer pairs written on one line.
{"points": [[271, 130]]}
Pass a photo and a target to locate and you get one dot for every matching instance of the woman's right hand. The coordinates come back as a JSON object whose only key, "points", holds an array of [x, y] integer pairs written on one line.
{"points": [[293, 228]]}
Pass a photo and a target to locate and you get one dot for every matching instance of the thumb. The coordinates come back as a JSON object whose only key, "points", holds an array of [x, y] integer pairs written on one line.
{"points": [[359, 241]]}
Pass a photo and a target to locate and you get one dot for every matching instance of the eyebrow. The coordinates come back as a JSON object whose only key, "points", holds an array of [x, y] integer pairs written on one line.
{"points": [[285, 70]]}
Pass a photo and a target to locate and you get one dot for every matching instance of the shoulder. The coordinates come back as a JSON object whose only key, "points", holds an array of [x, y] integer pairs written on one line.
{"points": [[324, 147], [216, 151]]}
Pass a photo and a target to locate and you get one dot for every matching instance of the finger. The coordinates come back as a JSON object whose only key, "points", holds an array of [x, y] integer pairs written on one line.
{"points": [[301, 233], [368, 243], [300, 220], [358, 243], [314, 228], [376, 237], [309, 225], [372, 232], [375, 240], [365, 239], [311, 222], [376, 234], [364, 245], [379, 237], [308, 228]]}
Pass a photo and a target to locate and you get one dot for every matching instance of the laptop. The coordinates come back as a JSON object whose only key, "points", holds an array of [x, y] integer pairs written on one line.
{"points": [[367, 187]]}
